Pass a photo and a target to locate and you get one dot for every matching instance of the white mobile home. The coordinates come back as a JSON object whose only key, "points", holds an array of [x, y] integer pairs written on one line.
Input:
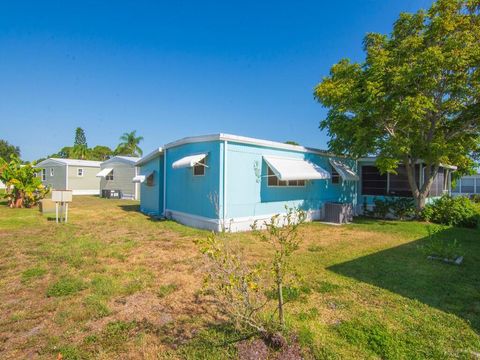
{"points": [[467, 185], [116, 176], [71, 174]]}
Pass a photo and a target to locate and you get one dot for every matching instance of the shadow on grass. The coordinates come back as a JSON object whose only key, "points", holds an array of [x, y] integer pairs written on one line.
{"points": [[405, 270], [130, 208]]}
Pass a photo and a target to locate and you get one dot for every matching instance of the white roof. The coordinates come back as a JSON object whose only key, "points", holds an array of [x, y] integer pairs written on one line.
{"points": [[245, 140], [104, 172], [73, 162], [188, 161], [149, 156], [295, 169], [344, 171], [125, 159]]}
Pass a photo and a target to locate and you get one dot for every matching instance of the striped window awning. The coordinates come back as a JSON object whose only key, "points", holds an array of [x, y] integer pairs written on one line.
{"points": [[346, 173]]}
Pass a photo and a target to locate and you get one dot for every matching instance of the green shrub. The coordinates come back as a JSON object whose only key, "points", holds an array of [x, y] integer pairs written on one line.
{"points": [[456, 211], [475, 198], [399, 208]]}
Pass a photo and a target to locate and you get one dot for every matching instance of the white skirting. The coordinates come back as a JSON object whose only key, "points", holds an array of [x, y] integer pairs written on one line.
{"points": [[86, 192], [231, 224]]}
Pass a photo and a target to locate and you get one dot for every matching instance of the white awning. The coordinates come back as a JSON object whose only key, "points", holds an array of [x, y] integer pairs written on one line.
{"points": [[344, 171], [295, 169], [142, 178], [188, 161], [104, 172]]}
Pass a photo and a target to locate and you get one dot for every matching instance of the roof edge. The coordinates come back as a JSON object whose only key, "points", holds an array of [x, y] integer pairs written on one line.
{"points": [[149, 156]]}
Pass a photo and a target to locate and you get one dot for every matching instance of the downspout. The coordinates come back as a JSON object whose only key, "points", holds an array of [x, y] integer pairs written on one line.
{"points": [[66, 177], [164, 181], [224, 207], [136, 184]]}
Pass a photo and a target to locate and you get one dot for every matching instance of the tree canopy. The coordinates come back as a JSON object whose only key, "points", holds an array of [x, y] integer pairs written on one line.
{"points": [[415, 97], [129, 144], [7, 149]]}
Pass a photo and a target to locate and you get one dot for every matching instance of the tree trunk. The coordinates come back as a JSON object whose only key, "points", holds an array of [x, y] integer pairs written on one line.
{"points": [[420, 194], [281, 316]]}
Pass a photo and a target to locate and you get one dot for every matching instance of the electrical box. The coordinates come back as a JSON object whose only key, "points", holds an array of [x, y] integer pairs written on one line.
{"points": [[62, 195]]}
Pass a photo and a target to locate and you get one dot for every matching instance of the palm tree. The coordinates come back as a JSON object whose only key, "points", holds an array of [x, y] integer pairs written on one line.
{"points": [[129, 144]]}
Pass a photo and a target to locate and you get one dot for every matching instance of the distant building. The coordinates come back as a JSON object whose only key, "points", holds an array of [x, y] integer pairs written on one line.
{"points": [[71, 174], [116, 178], [467, 185]]}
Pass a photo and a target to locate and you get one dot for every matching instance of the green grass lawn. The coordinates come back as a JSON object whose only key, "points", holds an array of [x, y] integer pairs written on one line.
{"points": [[114, 283]]}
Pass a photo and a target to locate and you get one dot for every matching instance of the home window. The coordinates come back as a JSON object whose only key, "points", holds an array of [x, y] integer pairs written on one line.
{"points": [[335, 176], [149, 180], [79, 172], [274, 181], [52, 171], [109, 176], [199, 168], [44, 174]]}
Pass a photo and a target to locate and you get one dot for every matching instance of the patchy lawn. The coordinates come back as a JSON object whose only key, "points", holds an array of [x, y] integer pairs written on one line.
{"points": [[113, 283]]}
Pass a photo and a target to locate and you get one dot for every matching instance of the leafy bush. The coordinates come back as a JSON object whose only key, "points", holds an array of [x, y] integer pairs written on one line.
{"points": [[475, 198], [402, 208], [456, 211], [381, 209], [399, 208]]}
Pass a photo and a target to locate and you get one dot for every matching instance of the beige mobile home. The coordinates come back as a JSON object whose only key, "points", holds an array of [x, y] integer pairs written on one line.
{"points": [[116, 176], [71, 174]]}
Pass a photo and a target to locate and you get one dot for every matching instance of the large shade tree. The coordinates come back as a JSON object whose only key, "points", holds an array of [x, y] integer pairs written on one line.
{"points": [[414, 98], [129, 144]]}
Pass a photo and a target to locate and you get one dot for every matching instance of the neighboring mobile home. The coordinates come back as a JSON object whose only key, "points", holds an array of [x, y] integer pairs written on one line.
{"points": [[467, 185], [232, 181], [116, 176], [71, 174]]}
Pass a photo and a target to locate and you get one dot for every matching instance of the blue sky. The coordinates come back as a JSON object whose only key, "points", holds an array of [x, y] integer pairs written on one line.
{"points": [[174, 69]]}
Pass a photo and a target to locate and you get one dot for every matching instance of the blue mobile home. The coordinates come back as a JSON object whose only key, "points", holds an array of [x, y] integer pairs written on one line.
{"points": [[226, 180]]}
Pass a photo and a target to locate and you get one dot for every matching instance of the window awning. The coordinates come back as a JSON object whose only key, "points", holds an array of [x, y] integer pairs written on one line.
{"points": [[142, 178], [295, 169], [188, 161], [104, 172], [344, 171]]}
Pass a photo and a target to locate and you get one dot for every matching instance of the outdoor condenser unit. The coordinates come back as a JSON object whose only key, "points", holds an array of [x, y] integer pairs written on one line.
{"points": [[338, 213]]}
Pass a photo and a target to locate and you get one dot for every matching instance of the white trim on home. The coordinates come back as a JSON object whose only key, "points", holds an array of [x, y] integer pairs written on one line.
{"points": [[164, 183], [86, 192], [233, 224], [245, 140], [129, 160], [224, 206], [149, 156]]}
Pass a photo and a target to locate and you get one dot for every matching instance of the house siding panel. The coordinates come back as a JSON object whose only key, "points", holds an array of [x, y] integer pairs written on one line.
{"points": [[152, 196], [88, 183], [191, 194], [123, 175], [249, 195]]}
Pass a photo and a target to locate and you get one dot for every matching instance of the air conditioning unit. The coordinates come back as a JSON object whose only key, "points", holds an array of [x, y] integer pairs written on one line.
{"points": [[338, 213]]}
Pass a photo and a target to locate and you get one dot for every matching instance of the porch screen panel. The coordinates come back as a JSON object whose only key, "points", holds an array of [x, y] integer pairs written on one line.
{"points": [[477, 180], [399, 185], [438, 182], [373, 183], [468, 186]]}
